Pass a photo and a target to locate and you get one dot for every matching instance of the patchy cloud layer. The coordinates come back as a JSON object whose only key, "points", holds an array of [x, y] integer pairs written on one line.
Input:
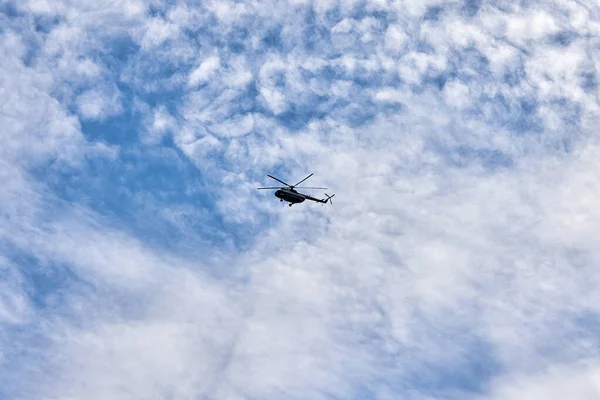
{"points": [[459, 260]]}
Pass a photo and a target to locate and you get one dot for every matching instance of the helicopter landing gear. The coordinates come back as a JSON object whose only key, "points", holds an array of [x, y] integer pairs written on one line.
{"points": [[281, 200], [290, 204]]}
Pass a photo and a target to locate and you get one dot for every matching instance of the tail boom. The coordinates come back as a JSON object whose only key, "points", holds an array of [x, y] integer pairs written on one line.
{"points": [[324, 201]]}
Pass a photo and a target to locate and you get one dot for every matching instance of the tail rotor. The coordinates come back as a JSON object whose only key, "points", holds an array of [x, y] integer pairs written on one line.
{"points": [[329, 199]]}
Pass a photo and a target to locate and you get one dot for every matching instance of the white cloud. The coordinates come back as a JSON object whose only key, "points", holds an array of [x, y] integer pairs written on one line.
{"points": [[89, 13], [344, 26], [98, 104], [159, 123], [158, 32], [234, 127], [228, 11], [456, 94], [390, 95], [578, 381], [15, 307], [395, 38], [36, 127], [274, 99], [550, 65], [204, 71], [272, 80], [534, 25], [416, 64]]}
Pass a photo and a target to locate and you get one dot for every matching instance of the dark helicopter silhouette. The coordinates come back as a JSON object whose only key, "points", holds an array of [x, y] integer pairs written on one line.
{"points": [[288, 192]]}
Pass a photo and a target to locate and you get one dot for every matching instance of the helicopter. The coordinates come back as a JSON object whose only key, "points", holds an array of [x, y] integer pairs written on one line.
{"points": [[288, 192]]}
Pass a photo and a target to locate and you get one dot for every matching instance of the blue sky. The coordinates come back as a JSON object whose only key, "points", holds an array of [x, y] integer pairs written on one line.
{"points": [[458, 261]]}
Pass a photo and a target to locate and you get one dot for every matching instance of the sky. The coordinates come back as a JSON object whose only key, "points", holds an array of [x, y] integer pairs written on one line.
{"points": [[459, 259]]}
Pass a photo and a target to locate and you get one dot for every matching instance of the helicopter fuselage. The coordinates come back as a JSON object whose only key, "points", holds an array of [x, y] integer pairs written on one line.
{"points": [[290, 195]]}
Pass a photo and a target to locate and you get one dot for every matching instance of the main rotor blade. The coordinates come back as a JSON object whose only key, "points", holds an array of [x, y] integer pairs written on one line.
{"points": [[303, 180], [278, 180], [307, 187], [278, 187]]}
